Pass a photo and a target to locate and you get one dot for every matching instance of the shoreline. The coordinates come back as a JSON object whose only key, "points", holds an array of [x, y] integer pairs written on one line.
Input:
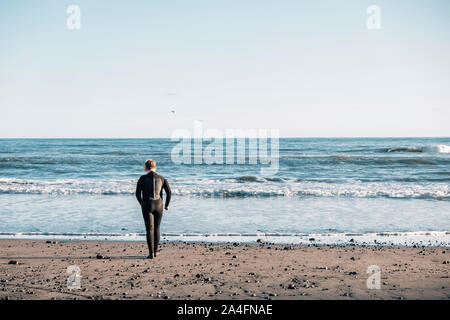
{"points": [[119, 270], [404, 239]]}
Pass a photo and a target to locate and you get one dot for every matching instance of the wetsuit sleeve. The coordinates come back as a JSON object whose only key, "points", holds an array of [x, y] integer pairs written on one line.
{"points": [[168, 192], [139, 191]]}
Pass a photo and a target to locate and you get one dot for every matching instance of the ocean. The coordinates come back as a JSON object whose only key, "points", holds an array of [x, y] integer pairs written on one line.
{"points": [[325, 191]]}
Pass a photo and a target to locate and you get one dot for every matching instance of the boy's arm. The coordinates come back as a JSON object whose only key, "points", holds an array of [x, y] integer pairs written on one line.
{"points": [[166, 188], [139, 191]]}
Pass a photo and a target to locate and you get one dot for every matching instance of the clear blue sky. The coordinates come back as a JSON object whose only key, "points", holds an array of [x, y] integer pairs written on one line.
{"points": [[308, 68]]}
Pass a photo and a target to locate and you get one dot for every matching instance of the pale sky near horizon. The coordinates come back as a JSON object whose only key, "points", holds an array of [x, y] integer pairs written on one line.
{"points": [[307, 68]]}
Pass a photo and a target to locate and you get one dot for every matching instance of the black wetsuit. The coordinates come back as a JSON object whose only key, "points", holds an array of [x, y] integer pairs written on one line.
{"points": [[149, 194]]}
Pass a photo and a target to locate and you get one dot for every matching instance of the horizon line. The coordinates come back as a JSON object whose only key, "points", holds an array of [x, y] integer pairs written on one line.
{"points": [[281, 137]]}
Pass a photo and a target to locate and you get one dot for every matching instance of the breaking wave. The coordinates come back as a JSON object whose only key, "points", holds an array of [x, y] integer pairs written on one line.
{"points": [[441, 148], [235, 188]]}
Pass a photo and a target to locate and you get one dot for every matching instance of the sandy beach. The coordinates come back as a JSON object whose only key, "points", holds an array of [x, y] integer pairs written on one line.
{"points": [[117, 270]]}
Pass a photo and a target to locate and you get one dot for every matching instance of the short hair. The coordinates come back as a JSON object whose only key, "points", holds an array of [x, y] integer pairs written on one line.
{"points": [[150, 164]]}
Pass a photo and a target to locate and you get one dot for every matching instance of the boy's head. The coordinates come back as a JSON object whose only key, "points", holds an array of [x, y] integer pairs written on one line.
{"points": [[150, 165]]}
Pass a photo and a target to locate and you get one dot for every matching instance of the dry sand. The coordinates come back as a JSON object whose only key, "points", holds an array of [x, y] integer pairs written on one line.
{"points": [[220, 271]]}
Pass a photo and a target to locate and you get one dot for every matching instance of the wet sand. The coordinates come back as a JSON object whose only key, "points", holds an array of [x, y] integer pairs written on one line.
{"points": [[118, 270]]}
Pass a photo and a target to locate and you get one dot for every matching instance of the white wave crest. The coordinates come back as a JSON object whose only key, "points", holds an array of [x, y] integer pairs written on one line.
{"points": [[442, 148], [233, 189]]}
